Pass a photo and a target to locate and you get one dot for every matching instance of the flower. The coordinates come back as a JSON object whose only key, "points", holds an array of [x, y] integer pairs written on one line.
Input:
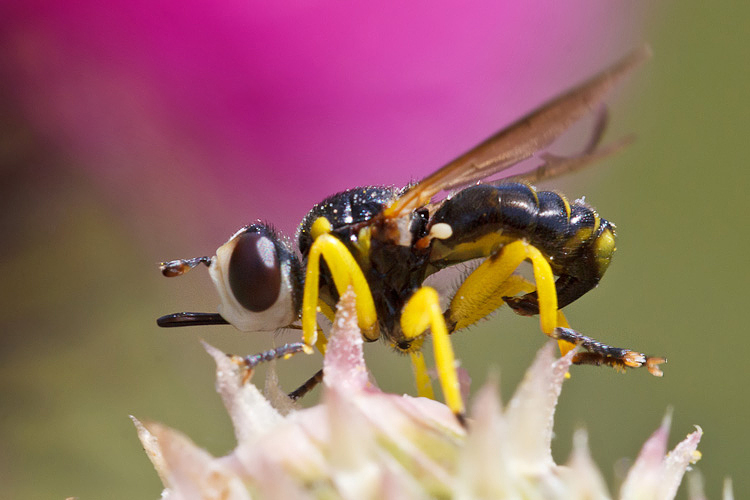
{"points": [[360, 442]]}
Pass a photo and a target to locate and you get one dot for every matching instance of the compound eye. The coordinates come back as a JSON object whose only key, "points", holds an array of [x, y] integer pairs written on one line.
{"points": [[254, 272]]}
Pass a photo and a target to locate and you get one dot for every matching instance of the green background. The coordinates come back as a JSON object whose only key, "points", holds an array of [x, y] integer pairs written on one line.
{"points": [[678, 287]]}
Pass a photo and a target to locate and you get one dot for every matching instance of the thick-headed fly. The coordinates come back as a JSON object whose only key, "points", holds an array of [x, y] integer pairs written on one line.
{"points": [[384, 242]]}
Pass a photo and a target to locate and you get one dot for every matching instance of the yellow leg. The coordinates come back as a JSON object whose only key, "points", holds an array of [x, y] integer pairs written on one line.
{"points": [[322, 344], [327, 310], [482, 292], [424, 384], [565, 346], [421, 312], [545, 289], [476, 298], [345, 272]]}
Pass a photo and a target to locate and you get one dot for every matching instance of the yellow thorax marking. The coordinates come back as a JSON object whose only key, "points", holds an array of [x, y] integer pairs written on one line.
{"points": [[319, 227]]}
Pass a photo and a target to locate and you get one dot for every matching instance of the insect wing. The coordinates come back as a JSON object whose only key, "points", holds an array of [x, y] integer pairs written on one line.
{"points": [[522, 139], [555, 165]]}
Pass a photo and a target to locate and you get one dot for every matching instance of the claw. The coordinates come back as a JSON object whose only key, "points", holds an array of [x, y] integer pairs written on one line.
{"points": [[652, 365]]}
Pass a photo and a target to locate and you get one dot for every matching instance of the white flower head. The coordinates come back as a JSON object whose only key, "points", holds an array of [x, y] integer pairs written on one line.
{"points": [[362, 443]]}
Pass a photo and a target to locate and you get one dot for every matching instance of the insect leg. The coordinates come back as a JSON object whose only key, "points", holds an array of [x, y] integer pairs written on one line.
{"points": [[475, 299], [564, 345], [345, 272], [422, 311], [603, 354], [586, 275], [308, 386], [424, 385], [483, 290], [598, 353], [285, 352], [545, 287], [250, 362]]}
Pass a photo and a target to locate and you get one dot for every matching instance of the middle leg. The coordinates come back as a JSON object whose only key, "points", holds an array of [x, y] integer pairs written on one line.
{"points": [[422, 311]]}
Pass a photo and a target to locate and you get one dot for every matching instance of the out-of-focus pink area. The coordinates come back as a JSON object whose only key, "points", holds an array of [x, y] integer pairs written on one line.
{"points": [[259, 109]]}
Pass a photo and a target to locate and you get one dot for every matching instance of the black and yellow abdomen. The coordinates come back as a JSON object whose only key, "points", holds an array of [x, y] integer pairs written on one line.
{"points": [[574, 239]]}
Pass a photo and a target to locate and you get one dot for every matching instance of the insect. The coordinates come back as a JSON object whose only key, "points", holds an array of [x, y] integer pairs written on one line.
{"points": [[384, 242]]}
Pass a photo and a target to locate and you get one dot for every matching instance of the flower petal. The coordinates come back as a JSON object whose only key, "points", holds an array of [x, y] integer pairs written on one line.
{"points": [[677, 462], [644, 476], [531, 411], [252, 414], [187, 471], [483, 470], [344, 363], [581, 474]]}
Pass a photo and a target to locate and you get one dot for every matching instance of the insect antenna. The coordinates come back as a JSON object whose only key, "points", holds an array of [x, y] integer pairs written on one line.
{"points": [[181, 266]]}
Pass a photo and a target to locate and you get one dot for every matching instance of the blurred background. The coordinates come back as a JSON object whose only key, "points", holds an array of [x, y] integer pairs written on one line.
{"points": [[134, 132]]}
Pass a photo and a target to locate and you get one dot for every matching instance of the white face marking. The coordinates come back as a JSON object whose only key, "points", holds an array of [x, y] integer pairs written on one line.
{"points": [[441, 231]]}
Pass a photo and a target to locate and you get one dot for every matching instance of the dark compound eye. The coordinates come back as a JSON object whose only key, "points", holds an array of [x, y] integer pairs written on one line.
{"points": [[254, 272]]}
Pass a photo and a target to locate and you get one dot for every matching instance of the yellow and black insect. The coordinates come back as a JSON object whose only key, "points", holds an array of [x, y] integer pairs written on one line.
{"points": [[384, 242]]}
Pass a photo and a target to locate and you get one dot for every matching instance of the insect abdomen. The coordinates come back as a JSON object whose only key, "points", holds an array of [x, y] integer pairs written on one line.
{"points": [[484, 217], [479, 215]]}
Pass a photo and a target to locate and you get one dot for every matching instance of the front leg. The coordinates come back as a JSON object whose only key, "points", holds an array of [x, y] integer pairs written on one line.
{"points": [[345, 272], [248, 363]]}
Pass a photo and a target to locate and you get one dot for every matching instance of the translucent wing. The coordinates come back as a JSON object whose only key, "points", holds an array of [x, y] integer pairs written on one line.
{"points": [[523, 138], [555, 166]]}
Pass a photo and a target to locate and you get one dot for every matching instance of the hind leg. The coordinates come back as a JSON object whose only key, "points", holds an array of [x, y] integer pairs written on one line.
{"points": [[485, 289]]}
